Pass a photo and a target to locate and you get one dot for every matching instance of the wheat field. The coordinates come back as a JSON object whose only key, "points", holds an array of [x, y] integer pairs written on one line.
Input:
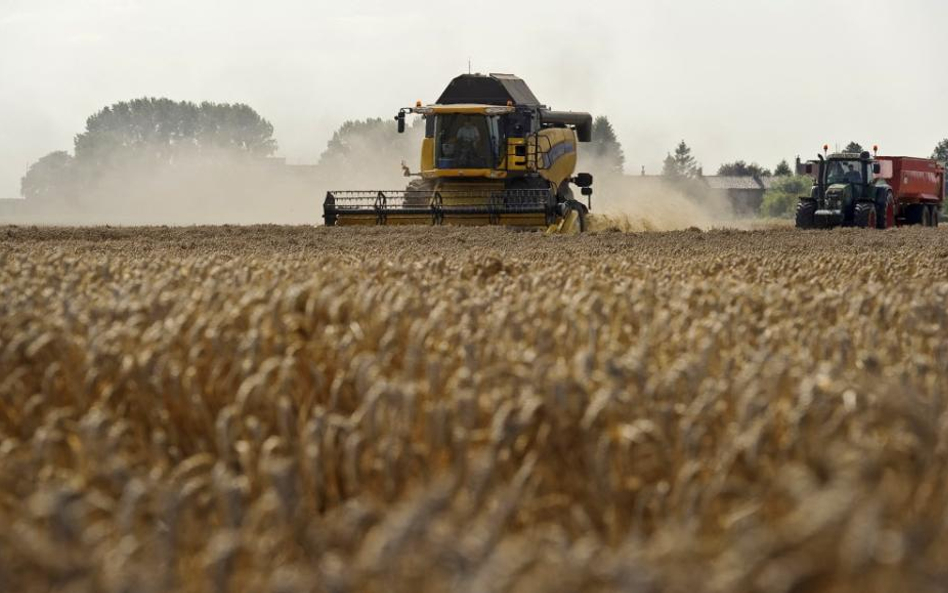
{"points": [[296, 409]]}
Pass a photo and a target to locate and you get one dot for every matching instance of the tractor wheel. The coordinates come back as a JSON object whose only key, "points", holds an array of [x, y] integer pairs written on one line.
{"points": [[865, 215], [806, 214], [926, 216], [914, 214], [886, 213]]}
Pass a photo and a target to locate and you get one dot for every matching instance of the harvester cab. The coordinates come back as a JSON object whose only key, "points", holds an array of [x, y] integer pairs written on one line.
{"points": [[491, 155], [848, 190]]}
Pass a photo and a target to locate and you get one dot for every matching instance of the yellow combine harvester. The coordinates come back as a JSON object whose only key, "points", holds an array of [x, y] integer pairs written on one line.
{"points": [[492, 155]]}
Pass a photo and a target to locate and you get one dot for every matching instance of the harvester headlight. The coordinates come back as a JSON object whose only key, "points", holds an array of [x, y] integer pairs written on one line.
{"points": [[498, 110], [423, 110]]}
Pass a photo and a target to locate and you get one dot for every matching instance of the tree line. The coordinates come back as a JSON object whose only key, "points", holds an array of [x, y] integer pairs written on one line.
{"points": [[149, 132]]}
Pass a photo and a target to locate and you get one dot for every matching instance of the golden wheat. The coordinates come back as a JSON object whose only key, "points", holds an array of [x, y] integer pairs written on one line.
{"points": [[300, 409]]}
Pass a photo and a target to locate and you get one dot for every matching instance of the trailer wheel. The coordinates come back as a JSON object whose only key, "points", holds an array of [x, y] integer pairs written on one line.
{"points": [[886, 213], [806, 214], [926, 216], [936, 214], [865, 215], [914, 213]]}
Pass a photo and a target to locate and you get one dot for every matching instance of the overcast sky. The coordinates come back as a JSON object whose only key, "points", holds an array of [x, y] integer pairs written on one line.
{"points": [[757, 80]]}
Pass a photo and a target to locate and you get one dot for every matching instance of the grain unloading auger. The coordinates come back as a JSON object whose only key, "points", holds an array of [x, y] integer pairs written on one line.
{"points": [[491, 155]]}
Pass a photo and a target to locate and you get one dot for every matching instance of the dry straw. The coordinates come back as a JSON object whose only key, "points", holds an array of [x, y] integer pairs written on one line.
{"points": [[332, 410]]}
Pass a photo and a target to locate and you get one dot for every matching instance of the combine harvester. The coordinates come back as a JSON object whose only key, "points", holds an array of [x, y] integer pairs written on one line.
{"points": [[863, 190], [492, 155]]}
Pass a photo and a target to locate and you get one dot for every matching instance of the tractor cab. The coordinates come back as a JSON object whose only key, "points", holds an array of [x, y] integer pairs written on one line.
{"points": [[850, 173]]}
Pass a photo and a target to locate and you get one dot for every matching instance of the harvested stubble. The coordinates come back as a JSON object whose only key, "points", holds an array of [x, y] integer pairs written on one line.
{"points": [[297, 409]]}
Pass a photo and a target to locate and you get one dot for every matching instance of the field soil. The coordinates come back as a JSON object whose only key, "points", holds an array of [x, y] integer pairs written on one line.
{"points": [[435, 409]]}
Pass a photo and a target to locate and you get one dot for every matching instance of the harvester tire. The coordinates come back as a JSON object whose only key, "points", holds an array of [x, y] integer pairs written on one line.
{"points": [[865, 215], [806, 214], [581, 216]]}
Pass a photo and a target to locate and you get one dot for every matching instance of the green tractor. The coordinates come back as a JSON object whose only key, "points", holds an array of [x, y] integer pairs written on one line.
{"points": [[848, 191]]}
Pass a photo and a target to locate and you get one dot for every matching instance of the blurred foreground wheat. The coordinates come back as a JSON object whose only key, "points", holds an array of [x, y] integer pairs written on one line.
{"points": [[334, 410]]}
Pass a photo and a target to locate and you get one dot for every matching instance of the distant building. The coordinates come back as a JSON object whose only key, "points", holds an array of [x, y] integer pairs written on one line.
{"points": [[745, 194]]}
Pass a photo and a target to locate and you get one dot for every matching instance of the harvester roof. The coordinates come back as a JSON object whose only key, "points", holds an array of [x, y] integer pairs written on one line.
{"points": [[491, 89]]}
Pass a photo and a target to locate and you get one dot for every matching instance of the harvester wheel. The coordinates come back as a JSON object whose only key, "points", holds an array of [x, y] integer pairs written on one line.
{"points": [[926, 216], [583, 219], [582, 223], [865, 215], [574, 220], [806, 214]]}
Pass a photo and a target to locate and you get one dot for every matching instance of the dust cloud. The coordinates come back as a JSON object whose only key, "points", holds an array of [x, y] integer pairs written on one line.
{"points": [[230, 191], [653, 203], [237, 189], [371, 159], [225, 189]]}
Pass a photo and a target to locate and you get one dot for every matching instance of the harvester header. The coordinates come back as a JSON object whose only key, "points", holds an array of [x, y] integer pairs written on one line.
{"points": [[492, 155]]}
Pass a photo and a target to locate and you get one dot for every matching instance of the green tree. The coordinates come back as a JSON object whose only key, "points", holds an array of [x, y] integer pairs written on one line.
{"points": [[51, 176], [150, 132], [357, 141], [941, 151], [783, 169], [742, 169], [605, 147], [854, 147], [161, 130], [681, 165], [781, 199]]}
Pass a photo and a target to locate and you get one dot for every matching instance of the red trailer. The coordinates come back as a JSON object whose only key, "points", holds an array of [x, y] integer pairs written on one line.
{"points": [[918, 186]]}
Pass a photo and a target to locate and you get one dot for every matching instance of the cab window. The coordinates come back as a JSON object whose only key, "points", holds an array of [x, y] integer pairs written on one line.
{"points": [[463, 141]]}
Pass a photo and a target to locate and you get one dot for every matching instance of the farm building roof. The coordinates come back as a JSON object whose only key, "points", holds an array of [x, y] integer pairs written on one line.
{"points": [[733, 182]]}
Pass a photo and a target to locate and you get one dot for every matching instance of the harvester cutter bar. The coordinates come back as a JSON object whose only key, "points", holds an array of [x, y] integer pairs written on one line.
{"points": [[438, 204]]}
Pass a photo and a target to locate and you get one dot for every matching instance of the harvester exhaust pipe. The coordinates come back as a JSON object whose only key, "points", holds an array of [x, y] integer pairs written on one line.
{"points": [[583, 122]]}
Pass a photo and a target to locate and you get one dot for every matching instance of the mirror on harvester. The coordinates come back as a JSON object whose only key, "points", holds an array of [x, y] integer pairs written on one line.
{"points": [[400, 118]]}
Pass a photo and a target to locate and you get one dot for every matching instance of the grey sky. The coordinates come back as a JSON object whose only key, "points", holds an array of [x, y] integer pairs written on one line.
{"points": [[736, 79]]}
